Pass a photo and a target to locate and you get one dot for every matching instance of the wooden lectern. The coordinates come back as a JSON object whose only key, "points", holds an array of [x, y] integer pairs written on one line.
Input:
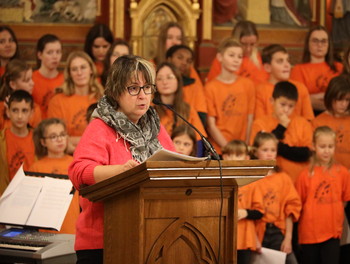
{"points": [[167, 212]]}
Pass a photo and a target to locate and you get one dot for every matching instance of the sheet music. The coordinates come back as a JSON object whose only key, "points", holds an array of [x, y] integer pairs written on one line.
{"points": [[167, 155], [269, 256], [53, 200], [35, 201]]}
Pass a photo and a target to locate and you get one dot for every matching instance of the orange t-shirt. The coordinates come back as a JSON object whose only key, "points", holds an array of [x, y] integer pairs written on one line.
{"points": [[248, 198], [248, 69], [60, 166], [341, 125], [298, 134], [99, 67], [71, 109], [33, 122], [44, 89], [2, 70], [194, 94], [322, 195], [280, 200], [315, 76], [167, 121], [230, 104], [19, 150], [264, 107]]}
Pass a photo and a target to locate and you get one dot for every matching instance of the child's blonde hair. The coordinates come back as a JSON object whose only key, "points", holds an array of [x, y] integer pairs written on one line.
{"points": [[322, 130], [228, 43], [237, 147]]}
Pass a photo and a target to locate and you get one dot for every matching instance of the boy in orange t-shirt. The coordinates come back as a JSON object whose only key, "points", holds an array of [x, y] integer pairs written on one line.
{"points": [[17, 145], [230, 99], [182, 57], [293, 132], [275, 59]]}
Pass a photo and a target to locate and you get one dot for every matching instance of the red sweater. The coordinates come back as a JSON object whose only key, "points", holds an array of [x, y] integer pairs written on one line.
{"points": [[98, 146]]}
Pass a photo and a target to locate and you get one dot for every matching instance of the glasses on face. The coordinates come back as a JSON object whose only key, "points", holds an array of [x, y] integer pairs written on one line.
{"points": [[55, 137], [136, 89], [316, 41]]}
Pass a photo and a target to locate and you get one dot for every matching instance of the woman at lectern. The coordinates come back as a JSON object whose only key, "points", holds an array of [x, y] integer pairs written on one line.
{"points": [[125, 131]]}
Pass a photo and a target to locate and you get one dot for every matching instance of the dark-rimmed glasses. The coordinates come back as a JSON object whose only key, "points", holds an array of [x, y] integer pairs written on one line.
{"points": [[136, 89]]}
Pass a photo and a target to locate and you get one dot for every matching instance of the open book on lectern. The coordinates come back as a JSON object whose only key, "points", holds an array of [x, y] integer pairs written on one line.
{"points": [[39, 202]]}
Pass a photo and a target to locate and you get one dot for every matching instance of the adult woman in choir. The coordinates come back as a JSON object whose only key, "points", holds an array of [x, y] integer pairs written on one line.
{"points": [[79, 90], [8, 47], [246, 34], [318, 66], [97, 42], [128, 130]]}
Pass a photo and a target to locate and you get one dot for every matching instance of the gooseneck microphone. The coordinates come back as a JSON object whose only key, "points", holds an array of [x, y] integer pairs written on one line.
{"points": [[208, 146]]}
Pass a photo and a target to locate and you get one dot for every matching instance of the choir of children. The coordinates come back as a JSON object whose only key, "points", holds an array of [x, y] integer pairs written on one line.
{"points": [[248, 99]]}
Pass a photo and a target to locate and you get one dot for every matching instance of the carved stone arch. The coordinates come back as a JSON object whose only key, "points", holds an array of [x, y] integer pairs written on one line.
{"points": [[147, 17]]}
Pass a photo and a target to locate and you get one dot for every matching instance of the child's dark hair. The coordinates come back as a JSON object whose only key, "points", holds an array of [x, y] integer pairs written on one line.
{"points": [[268, 52], [39, 134], [285, 89], [19, 96], [13, 35], [184, 129], [170, 52], [40, 46], [97, 31], [324, 130], [338, 88], [236, 146], [89, 111]]}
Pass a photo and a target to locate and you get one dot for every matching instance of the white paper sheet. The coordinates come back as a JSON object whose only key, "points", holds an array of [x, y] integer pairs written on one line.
{"points": [[167, 155], [269, 256]]}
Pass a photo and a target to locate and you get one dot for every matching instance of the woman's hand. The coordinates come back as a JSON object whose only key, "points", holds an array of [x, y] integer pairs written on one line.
{"points": [[129, 165], [103, 172]]}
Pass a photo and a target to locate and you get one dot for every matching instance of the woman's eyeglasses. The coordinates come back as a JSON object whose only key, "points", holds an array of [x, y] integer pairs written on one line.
{"points": [[136, 89]]}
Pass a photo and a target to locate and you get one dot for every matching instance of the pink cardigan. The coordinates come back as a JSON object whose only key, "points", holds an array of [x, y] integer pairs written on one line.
{"points": [[99, 145]]}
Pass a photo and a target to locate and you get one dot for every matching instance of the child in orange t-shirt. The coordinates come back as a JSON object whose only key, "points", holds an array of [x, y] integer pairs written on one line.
{"points": [[246, 33], [293, 132], [185, 140], [169, 92], [17, 145], [323, 188], [18, 76], [230, 99], [279, 198], [47, 78], [248, 209], [50, 139], [318, 66], [182, 57], [337, 116], [276, 62]]}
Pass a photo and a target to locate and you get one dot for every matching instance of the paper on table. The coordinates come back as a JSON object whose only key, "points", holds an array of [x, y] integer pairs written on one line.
{"points": [[17, 205], [167, 155], [53, 200], [269, 256]]}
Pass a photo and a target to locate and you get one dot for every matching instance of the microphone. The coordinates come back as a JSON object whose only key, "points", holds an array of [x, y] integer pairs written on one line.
{"points": [[208, 146]]}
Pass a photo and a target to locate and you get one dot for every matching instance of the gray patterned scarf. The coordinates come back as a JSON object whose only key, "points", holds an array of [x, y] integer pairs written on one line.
{"points": [[141, 136]]}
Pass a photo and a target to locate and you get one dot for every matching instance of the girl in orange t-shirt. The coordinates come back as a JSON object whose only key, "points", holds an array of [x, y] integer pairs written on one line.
{"points": [[337, 116], [50, 140], [78, 92], [323, 188], [18, 76], [169, 92], [97, 42], [47, 77], [318, 66], [246, 33], [8, 47], [279, 198], [184, 139]]}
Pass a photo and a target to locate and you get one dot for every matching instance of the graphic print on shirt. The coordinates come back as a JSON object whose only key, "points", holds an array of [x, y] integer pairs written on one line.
{"points": [[322, 82], [79, 120], [323, 193], [270, 200], [16, 161], [46, 98], [229, 105]]}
